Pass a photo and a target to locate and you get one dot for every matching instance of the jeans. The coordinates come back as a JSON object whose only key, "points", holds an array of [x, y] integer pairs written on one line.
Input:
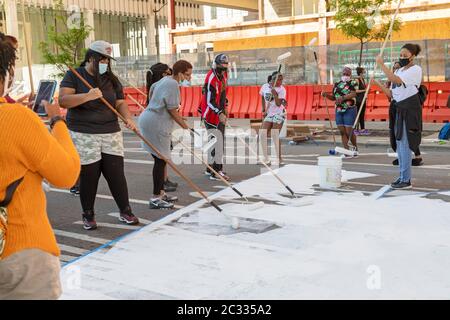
{"points": [[216, 161], [404, 156]]}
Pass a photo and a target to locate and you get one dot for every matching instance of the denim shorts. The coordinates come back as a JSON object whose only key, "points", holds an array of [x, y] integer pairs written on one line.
{"points": [[347, 118]]}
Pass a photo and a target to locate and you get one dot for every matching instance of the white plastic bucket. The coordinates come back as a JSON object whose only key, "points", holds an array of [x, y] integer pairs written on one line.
{"points": [[330, 172]]}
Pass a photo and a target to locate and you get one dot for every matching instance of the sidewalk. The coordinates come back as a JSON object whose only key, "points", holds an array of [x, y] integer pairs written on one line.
{"points": [[379, 136]]}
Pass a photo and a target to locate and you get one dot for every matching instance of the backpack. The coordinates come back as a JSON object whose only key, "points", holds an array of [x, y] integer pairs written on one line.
{"points": [[444, 134], [4, 213], [423, 93]]}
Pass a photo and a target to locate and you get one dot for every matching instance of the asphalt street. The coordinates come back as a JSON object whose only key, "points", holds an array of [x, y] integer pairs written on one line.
{"points": [[64, 209]]}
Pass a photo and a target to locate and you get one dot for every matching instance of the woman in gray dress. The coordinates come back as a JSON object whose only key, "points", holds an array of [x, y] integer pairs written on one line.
{"points": [[156, 124]]}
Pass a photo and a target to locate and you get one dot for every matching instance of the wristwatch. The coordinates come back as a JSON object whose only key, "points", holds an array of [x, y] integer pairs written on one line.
{"points": [[54, 120]]}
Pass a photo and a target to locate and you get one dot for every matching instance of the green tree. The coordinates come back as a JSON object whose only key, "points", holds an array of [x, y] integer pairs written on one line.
{"points": [[65, 45], [365, 20]]}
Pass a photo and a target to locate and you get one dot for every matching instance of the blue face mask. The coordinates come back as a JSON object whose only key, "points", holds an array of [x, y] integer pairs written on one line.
{"points": [[102, 68], [185, 83]]}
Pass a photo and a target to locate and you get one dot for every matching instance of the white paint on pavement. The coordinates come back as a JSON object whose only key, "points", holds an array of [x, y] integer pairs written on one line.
{"points": [[112, 225], [326, 250], [80, 236]]}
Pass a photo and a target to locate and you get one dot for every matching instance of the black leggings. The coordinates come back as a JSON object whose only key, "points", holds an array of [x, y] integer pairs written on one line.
{"points": [[158, 175], [112, 168], [362, 123]]}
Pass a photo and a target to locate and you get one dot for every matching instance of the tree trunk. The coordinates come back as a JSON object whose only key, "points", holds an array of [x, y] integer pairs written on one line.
{"points": [[360, 53]]}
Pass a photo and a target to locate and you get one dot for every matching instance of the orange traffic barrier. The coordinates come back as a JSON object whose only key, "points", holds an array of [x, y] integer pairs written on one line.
{"points": [[304, 102]]}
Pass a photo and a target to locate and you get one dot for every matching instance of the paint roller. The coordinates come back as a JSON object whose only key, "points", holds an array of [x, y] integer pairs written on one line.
{"points": [[284, 56], [280, 58], [311, 43], [251, 207], [150, 145], [337, 150], [372, 75]]}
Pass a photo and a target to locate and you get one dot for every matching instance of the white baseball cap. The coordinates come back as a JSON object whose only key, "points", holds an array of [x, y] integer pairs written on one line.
{"points": [[102, 47]]}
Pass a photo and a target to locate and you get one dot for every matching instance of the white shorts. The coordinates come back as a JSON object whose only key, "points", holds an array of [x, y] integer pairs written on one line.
{"points": [[276, 118]]}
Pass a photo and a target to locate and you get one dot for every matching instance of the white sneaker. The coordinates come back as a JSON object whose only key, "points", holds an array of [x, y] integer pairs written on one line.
{"points": [[223, 175]]}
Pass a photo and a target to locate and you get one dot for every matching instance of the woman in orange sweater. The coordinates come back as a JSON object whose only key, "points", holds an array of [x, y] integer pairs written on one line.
{"points": [[29, 264]]}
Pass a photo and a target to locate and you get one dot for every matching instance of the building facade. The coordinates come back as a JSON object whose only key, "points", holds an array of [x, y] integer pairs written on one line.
{"points": [[129, 24]]}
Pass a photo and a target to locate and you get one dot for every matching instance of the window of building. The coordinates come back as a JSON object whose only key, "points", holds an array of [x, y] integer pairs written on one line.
{"points": [[301, 7]]}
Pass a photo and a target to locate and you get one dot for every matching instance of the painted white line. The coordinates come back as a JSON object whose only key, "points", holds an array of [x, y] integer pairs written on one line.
{"points": [[66, 258], [80, 236], [112, 225], [436, 167], [102, 196], [300, 155], [141, 220], [71, 249], [381, 185], [139, 161], [195, 194], [133, 149]]}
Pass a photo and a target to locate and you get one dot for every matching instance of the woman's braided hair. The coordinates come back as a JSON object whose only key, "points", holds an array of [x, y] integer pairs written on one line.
{"points": [[7, 57]]}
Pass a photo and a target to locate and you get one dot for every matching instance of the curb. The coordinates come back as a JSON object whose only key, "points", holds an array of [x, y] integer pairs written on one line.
{"points": [[372, 144]]}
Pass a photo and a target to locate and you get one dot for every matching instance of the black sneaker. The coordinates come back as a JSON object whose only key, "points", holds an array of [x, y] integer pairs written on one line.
{"points": [[168, 198], [160, 204], [395, 182], [417, 162], [75, 191], [128, 218], [395, 162], [89, 222], [402, 185]]}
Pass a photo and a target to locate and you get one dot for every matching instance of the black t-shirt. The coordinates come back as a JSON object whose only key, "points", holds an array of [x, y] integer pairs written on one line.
{"points": [[93, 116]]}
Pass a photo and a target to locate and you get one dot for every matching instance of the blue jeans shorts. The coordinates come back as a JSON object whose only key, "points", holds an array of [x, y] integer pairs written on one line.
{"points": [[347, 118]]}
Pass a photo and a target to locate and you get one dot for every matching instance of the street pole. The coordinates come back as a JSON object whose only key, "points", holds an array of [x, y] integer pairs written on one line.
{"points": [[157, 31]]}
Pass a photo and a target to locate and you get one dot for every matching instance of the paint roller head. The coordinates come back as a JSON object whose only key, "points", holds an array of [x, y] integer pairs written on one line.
{"points": [[313, 41], [284, 56], [255, 206], [301, 203], [346, 151], [235, 223]]}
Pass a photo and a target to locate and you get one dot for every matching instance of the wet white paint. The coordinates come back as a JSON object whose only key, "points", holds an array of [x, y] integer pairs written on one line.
{"points": [[329, 249]]}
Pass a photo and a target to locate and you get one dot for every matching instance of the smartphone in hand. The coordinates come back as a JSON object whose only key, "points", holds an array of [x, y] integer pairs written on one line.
{"points": [[45, 92]]}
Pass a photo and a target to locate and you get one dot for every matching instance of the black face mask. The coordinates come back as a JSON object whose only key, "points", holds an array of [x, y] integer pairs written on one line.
{"points": [[404, 62]]}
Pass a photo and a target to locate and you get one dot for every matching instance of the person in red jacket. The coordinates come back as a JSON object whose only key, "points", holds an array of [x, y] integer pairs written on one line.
{"points": [[213, 112]]}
